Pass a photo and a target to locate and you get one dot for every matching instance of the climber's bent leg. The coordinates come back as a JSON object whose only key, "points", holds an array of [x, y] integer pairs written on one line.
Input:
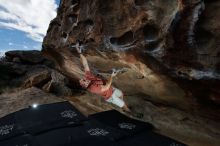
{"points": [[117, 99]]}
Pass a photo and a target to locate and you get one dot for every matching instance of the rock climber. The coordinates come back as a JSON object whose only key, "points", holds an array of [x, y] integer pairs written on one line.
{"points": [[97, 85]]}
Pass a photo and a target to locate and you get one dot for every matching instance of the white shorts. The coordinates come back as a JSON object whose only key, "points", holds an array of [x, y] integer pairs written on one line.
{"points": [[115, 98]]}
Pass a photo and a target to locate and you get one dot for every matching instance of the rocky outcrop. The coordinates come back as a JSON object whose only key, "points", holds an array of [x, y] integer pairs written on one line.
{"points": [[25, 69], [27, 57], [169, 49]]}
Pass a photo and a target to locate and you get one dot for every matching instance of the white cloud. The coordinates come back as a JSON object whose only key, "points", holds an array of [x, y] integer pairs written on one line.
{"points": [[29, 16], [25, 47], [10, 44], [2, 54]]}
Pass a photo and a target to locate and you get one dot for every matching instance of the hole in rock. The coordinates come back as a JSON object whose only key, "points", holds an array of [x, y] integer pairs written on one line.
{"points": [[140, 2], [64, 34], [108, 6], [90, 40], [126, 38], [72, 18], [150, 32], [175, 22], [151, 46], [204, 40], [210, 1], [74, 2], [89, 22]]}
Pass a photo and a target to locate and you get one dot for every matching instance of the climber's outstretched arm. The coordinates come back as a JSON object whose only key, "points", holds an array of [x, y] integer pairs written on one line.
{"points": [[82, 58], [109, 82], [107, 85], [84, 62]]}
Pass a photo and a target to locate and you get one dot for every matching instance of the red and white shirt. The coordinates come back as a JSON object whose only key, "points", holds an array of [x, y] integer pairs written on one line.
{"points": [[95, 85]]}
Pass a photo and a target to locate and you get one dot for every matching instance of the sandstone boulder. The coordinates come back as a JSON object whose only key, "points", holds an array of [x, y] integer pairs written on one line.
{"points": [[170, 49], [25, 69], [28, 57]]}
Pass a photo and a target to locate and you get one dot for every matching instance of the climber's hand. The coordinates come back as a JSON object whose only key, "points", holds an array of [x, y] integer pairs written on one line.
{"points": [[78, 48], [114, 73]]}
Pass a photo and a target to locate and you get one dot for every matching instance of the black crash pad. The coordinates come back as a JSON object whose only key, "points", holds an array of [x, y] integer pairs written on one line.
{"points": [[119, 121], [60, 124], [9, 127], [88, 134], [149, 138], [23, 140], [95, 128], [48, 116], [55, 137]]}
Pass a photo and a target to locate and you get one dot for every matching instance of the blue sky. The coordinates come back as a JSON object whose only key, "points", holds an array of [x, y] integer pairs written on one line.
{"points": [[23, 23]]}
